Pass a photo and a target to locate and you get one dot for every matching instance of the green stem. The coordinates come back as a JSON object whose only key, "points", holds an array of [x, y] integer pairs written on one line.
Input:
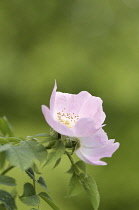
{"points": [[70, 158], [7, 170], [34, 184]]}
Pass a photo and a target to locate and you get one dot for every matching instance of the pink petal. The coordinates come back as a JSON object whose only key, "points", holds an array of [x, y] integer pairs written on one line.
{"points": [[57, 126], [84, 127], [88, 107], [104, 150], [82, 157], [92, 108], [53, 95], [71, 103], [95, 147], [97, 139], [83, 104]]}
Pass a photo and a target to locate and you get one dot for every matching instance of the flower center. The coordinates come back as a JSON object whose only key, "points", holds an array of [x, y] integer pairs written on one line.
{"points": [[68, 119]]}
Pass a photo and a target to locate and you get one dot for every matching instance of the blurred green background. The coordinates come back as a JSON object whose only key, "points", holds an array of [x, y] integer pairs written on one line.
{"points": [[85, 45]]}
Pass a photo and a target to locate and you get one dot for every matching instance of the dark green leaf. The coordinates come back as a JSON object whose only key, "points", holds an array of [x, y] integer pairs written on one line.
{"points": [[30, 173], [57, 162], [42, 183], [32, 176], [7, 200], [75, 186], [91, 189], [2, 207], [81, 165], [71, 170], [2, 159], [6, 180], [28, 190], [29, 196], [56, 153], [46, 198]]}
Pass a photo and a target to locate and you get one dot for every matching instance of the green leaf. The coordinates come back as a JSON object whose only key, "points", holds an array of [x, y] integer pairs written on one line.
{"points": [[20, 156], [29, 196], [38, 150], [36, 170], [7, 200], [30, 173], [14, 140], [56, 153], [5, 127], [2, 159], [91, 189], [6, 180], [34, 209], [39, 135], [46, 198], [75, 186], [24, 154], [81, 165], [42, 183], [5, 147], [50, 139], [3, 140], [2, 207], [73, 170], [57, 162]]}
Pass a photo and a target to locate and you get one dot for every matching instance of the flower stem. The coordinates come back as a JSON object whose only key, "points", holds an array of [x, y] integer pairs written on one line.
{"points": [[34, 184], [70, 158], [7, 170]]}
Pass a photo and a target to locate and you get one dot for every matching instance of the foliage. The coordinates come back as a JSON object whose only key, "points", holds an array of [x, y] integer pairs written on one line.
{"points": [[27, 154]]}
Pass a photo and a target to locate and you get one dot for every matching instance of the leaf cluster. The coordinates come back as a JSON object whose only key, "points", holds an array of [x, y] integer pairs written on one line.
{"points": [[26, 154], [80, 181]]}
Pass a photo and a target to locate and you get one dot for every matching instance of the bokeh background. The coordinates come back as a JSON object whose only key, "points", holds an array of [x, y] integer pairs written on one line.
{"points": [[85, 45]]}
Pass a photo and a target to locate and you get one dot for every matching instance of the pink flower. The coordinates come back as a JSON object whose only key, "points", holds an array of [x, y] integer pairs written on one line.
{"points": [[74, 115], [95, 147]]}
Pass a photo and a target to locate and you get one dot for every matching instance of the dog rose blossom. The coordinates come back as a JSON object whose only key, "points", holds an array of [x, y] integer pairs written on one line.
{"points": [[74, 115], [95, 147]]}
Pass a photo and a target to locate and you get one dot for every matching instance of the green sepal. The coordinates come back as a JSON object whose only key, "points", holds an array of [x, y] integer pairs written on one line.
{"points": [[56, 152]]}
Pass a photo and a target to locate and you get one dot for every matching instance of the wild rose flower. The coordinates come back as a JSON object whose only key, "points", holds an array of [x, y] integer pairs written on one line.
{"points": [[74, 115], [93, 148]]}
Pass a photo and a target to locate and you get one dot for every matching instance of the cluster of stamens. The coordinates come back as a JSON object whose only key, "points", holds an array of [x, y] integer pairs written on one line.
{"points": [[68, 119]]}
